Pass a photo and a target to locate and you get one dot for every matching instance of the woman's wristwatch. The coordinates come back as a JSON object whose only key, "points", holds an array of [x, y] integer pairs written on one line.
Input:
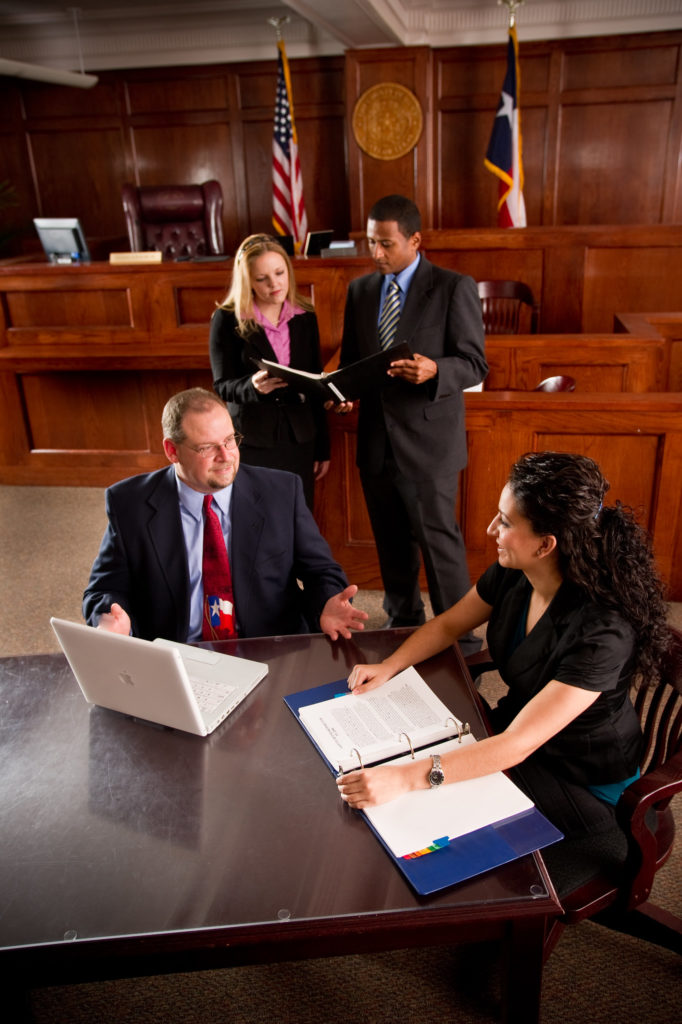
{"points": [[436, 775]]}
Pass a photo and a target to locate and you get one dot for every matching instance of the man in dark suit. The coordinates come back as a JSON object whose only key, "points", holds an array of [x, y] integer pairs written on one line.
{"points": [[147, 577], [411, 436]]}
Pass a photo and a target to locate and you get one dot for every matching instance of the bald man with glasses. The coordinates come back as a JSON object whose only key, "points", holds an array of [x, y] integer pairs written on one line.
{"points": [[147, 577]]}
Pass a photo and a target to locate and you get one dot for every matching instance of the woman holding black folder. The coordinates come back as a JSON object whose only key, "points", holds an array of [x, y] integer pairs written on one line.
{"points": [[575, 613], [264, 317]]}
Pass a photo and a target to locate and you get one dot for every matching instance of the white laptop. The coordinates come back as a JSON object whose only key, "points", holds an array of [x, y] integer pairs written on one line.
{"points": [[172, 684]]}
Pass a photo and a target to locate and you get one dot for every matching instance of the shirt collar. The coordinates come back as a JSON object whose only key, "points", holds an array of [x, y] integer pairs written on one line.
{"points": [[287, 312], [404, 278], [193, 501]]}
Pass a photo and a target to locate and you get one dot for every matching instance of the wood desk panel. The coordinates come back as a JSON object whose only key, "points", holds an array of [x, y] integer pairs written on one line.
{"points": [[152, 850], [598, 362], [637, 440]]}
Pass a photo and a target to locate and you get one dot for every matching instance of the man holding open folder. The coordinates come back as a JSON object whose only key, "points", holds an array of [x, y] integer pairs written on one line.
{"points": [[411, 437]]}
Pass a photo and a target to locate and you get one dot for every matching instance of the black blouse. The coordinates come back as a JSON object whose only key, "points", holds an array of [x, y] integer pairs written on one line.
{"points": [[579, 643]]}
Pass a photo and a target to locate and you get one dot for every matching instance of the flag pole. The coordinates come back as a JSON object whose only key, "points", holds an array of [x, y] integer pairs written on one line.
{"points": [[504, 154], [277, 25], [511, 6], [288, 206]]}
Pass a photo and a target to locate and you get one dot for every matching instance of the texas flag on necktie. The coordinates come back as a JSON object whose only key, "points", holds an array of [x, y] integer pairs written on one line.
{"points": [[221, 613]]}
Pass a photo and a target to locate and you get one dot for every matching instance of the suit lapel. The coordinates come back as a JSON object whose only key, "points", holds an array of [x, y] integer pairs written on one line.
{"points": [[370, 301], [415, 302], [247, 525], [260, 342], [164, 528]]}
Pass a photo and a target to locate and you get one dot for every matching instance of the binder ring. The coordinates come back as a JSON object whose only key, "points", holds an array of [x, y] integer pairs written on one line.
{"points": [[409, 741], [462, 729], [357, 753]]}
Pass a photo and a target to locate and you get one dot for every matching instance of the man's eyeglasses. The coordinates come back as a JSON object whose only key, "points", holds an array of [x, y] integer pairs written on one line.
{"points": [[208, 451]]}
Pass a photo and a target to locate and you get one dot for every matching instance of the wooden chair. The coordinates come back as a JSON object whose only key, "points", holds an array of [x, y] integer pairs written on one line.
{"points": [[559, 383], [609, 878], [502, 303]]}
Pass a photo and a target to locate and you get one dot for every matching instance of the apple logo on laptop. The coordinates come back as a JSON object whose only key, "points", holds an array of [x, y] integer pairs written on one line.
{"points": [[126, 678]]}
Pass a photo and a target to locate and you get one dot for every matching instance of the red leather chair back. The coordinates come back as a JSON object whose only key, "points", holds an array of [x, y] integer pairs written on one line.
{"points": [[177, 220]]}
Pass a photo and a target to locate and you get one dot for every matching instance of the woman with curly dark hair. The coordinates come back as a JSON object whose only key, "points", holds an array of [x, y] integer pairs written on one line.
{"points": [[575, 613]]}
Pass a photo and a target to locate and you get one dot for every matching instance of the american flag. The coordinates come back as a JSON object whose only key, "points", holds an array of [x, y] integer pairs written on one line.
{"points": [[503, 157], [288, 206]]}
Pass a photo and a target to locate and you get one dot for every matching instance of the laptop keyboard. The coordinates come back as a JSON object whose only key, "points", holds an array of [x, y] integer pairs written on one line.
{"points": [[209, 693]]}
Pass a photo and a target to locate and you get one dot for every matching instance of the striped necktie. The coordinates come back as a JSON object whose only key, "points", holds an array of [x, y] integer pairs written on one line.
{"points": [[390, 314]]}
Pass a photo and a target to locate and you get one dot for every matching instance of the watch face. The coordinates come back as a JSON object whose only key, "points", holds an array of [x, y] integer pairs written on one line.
{"points": [[436, 776]]}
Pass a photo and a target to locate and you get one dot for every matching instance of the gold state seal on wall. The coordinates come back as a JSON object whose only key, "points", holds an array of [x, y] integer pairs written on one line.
{"points": [[387, 121]]}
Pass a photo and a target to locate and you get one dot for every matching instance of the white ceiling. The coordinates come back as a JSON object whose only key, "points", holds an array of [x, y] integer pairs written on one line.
{"points": [[149, 33]]}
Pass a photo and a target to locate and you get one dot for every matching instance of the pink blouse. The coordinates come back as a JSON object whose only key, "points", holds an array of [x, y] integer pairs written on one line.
{"points": [[278, 335]]}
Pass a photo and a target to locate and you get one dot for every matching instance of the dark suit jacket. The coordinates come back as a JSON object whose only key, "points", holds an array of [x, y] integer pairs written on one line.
{"points": [[441, 319], [142, 563], [258, 416]]}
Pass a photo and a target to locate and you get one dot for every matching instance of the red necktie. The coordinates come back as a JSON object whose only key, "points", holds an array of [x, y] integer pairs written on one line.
{"points": [[218, 619]]}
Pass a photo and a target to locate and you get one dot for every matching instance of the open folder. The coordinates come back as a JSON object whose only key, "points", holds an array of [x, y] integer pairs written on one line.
{"points": [[436, 837], [344, 385]]}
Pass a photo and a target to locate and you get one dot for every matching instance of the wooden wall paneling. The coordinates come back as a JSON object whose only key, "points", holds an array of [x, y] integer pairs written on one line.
{"points": [[629, 280], [637, 440], [340, 508], [496, 264], [467, 84], [583, 102], [14, 446], [79, 168], [603, 178], [326, 282], [318, 91], [180, 152], [84, 411], [598, 363], [672, 198], [15, 168], [658, 325], [562, 294], [615, 91], [411, 175]]}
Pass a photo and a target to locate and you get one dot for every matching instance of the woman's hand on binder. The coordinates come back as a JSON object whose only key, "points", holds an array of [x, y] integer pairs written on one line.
{"points": [[340, 408], [368, 677], [372, 786], [264, 383]]}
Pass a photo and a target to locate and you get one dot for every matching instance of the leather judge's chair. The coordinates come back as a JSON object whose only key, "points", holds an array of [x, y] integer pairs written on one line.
{"points": [[181, 221], [502, 303], [609, 877]]}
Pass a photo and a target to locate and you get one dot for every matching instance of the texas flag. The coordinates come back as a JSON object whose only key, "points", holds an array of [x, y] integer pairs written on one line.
{"points": [[221, 613], [503, 157]]}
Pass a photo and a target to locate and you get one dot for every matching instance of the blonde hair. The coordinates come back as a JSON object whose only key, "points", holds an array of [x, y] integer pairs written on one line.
{"points": [[239, 299]]}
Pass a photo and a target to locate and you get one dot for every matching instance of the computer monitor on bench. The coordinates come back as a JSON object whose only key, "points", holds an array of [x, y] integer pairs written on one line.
{"points": [[62, 239]]}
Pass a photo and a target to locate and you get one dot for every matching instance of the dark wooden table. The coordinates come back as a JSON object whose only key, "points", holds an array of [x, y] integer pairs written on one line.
{"points": [[132, 850]]}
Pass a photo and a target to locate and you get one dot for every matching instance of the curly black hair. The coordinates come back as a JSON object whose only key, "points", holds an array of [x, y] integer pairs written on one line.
{"points": [[602, 548]]}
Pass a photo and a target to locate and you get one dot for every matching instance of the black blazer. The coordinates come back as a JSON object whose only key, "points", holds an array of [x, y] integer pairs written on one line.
{"points": [[142, 563], [259, 417], [441, 319]]}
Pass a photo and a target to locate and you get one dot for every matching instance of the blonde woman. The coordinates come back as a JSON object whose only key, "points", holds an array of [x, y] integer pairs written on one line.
{"points": [[264, 317]]}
